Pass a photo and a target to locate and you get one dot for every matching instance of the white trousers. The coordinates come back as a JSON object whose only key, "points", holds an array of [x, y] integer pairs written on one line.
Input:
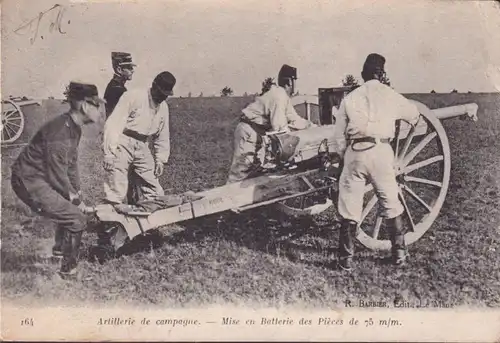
{"points": [[134, 154], [376, 166]]}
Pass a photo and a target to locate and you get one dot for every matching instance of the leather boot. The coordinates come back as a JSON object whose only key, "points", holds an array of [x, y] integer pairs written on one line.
{"points": [[105, 249], [58, 242], [71, 250], [347, 236], [396, 232]]}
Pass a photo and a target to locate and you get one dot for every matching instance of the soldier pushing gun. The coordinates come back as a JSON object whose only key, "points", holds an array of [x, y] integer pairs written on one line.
{"points": [[45, 176], [364, 128]]}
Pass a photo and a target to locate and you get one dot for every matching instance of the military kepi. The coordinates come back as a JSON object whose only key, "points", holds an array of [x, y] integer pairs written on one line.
{"points": [[287, 72], [165, 82], [374, 63], [122, 58], [84, 91]]}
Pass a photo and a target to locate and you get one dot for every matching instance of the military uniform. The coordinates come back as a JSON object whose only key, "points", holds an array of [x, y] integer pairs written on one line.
{"points": [[365, 125], [45, 176], [46, 172], [113, 93], [116, 87], [134, 121], [272, 111]]}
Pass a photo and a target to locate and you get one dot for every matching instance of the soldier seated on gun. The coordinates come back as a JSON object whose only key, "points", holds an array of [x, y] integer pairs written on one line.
{"points": [[45, 175], [271, 111]]}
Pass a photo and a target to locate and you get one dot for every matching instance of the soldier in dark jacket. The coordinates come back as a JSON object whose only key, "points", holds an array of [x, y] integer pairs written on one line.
{"points": [[45, 175], [124, 69]]}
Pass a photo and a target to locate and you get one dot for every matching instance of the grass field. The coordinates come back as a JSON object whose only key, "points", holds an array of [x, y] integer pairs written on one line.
{"points": [[255, 259]]}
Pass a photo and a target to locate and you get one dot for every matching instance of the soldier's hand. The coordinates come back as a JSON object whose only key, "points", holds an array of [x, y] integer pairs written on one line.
{"points": [[108, 163], [82, 207], [158, 169], [75, 198]]}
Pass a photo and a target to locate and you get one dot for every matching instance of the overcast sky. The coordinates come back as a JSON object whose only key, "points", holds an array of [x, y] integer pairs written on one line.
{"points": [[209, 44]]}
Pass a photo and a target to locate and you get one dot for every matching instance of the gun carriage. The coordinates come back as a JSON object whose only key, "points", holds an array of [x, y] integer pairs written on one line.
{"points": [[299, 175]]}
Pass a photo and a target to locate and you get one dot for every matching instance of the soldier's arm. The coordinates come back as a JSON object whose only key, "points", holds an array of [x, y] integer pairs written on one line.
{"points": [[74, 173], [340, 129], [161, 140], [57, 162], [294, 120], [115, 124], [112, 97], [407, 110]]}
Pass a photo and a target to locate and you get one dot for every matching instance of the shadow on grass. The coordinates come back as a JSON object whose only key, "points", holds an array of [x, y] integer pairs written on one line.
{"points": [[264, 231], [307, 240]]}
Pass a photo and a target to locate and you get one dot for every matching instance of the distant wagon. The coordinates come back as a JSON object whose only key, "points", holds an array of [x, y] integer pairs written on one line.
{"points": [[13, 118]]}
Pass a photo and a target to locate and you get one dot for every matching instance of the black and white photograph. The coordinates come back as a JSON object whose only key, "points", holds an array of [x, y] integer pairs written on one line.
{"points": [[210, 170]]}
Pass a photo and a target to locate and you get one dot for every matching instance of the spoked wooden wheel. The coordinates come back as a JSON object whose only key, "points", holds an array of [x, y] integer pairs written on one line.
{"points": [[422, 165], [313, 196], [314, 202], [12, 121]]}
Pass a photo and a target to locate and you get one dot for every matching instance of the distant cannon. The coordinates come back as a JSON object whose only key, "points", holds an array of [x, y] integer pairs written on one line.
{"points": [[13, 118]]}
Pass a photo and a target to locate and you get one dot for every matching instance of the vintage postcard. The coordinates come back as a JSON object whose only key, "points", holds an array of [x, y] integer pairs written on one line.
{"points": [[208, 170]]}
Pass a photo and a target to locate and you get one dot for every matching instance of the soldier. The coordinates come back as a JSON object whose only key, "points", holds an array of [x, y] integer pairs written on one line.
{"points": [[138, 116], [364, 128], [271, 111], [124, 69], [45, 175]]}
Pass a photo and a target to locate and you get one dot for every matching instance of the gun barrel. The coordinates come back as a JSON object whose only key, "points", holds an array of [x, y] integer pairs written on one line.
{"points": [[469, 110]]}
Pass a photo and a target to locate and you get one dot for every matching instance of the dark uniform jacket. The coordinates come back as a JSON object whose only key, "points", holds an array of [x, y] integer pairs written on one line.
{"points": [[52, 157], [114, 91]]}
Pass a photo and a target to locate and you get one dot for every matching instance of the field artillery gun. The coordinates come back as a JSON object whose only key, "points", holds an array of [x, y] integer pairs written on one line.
{"points": [[299, 177], [13, 118]]}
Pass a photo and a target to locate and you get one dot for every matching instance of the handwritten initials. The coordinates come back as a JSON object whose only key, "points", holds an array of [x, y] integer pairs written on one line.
{"points": [[33, 25]]}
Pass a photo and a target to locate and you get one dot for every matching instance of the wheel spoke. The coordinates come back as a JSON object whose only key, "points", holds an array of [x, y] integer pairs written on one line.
{"points": [[368, 208], [416, 197], [423, 163], [396, 137], [10, 122], [6, 135], [420, 180], [405, 205], [376, 229], [13, 129], [409, 138], [411, 155], [8, 113], [8, 130]]}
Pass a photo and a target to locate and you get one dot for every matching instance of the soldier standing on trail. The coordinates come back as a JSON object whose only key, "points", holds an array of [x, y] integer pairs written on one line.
{"points": [[45, 175], [124, 69], [138, 116], [363, 130], [271, 111]]}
